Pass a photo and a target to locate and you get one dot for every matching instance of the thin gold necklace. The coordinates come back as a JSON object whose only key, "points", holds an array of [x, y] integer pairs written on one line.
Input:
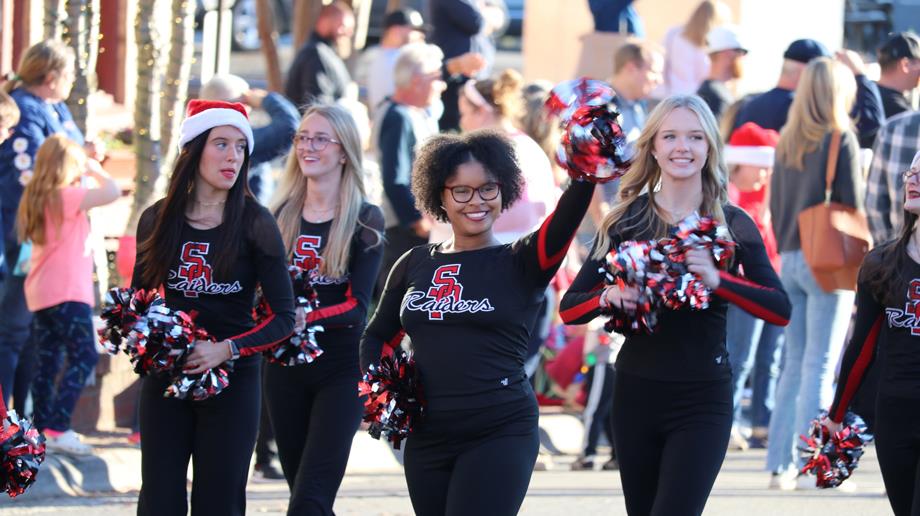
{"points": [[209, 204]]}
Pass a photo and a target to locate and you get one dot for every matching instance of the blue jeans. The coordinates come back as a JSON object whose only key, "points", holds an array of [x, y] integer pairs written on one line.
{"points": [[69, 326], [754, 348], [814, 339], [15, 319]]}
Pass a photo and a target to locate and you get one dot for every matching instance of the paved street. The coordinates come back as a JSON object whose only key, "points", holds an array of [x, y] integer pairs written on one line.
{"points": [[740, 489]]}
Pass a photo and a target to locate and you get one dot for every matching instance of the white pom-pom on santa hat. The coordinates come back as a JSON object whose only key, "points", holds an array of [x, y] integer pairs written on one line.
{"points": [[202, 115]]}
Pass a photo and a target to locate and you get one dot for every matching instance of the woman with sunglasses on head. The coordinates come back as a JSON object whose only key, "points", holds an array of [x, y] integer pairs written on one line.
{"points": [[330, 229], [208, 244], [888, 327], [468, 304], [672, 405]]}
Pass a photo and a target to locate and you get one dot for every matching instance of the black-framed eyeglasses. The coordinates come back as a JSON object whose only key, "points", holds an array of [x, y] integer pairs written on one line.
{"points": [[464, 193], [909, 173], [317, 143]]}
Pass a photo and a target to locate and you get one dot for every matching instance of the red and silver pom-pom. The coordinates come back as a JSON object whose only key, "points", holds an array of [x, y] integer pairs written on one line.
{"points": [[394, 401], [158, 340], [301, 347], [593, 146], [658, 270], [832, 456], [22, 451]]}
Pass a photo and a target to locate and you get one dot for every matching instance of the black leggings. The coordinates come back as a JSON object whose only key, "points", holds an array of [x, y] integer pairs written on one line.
{"points": [[897, 434], [598, 408], [671, 439], [315, 417], [479, 461], [218, 432]]}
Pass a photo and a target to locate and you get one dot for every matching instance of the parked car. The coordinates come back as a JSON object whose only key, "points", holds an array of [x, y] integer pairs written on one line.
{"points": [[245, 22]]}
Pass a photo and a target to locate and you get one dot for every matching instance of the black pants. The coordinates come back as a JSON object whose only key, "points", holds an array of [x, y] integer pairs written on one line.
{"points": [[897, 434], [315, 417], [218, 433], [398, 240], [264, 452], [671, 439], [464, 462], [599, 407]]}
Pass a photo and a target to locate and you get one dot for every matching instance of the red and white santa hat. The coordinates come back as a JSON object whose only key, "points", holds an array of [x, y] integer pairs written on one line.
{"points": [[751, 144], [202, 115]]}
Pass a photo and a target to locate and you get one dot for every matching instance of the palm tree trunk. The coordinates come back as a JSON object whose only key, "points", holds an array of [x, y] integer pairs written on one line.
{"points": [[54, 19], [76, 33], [269, 36], [175, 91], [146, 111], [305, 14]]}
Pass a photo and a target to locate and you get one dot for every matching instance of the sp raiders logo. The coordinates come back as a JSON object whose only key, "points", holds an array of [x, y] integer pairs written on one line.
{"points": [[306, 252], [910, 316], [444, 296], [195, 275]]}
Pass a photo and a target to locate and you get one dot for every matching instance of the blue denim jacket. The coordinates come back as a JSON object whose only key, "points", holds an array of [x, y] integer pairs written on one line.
{"points": [[37, 120]]}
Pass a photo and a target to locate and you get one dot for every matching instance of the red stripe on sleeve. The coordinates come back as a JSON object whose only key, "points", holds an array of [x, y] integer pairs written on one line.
{"points": [[859, 369], [755, 309], [547, 262], [338, 309], [251, 350], [578, 311]]}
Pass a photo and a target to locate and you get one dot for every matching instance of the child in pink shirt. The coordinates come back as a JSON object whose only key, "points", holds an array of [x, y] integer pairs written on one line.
{"points": [[59, 284]]}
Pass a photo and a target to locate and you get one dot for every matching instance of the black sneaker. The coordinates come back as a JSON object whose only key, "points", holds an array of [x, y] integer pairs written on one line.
{"points": [[583, 464], [267, 472], [611, 465]]}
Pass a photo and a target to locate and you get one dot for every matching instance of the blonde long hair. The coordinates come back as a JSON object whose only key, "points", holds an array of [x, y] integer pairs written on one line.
{"points": [[707, 15], [821, 105], [58, 162], [292, 192], [644, 175]]}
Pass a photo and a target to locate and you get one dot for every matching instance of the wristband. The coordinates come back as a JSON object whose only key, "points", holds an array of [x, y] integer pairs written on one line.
{"points": [[234, 350]]}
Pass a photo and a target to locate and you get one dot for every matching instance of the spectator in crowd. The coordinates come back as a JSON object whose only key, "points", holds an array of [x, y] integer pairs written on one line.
{"points": [[459, 27], [539, 125], [597, 415], [899, 59], [59, 285], [897, 142], [318, 71], [402, 124], [769, 110], [686, 55], [401, 28], [754, 346], [43, 81], [816, 331], [726, 53], [637, 71], [616, 16], [9, 117], [272, 140]]}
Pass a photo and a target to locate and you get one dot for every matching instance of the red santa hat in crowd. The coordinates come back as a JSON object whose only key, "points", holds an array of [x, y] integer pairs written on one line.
{"points": [[751, 144], [202, 115]]}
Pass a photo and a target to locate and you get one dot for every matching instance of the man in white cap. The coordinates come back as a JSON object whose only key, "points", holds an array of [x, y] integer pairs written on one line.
{"points": [[726, 53]]}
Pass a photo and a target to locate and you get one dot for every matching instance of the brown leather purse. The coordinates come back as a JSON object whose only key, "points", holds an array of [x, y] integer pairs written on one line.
{"points": [[835, 238]]}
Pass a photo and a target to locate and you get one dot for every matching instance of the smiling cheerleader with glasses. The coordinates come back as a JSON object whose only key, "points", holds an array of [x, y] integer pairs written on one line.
{"points": [[468, 304]]}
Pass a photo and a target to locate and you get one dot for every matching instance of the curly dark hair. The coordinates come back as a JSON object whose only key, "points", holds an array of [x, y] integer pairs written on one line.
{"points": [[440, 156]]}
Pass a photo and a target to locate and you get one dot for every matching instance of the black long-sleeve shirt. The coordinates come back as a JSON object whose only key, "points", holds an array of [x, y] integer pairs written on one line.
{"points": [[223, 305], [890, 334], [317, 74], [343, 302], [687, 345], [469, 313]]}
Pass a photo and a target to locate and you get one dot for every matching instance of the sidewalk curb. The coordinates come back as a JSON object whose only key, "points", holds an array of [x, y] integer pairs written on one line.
{"points": [[117, 468], [110, 469]]}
